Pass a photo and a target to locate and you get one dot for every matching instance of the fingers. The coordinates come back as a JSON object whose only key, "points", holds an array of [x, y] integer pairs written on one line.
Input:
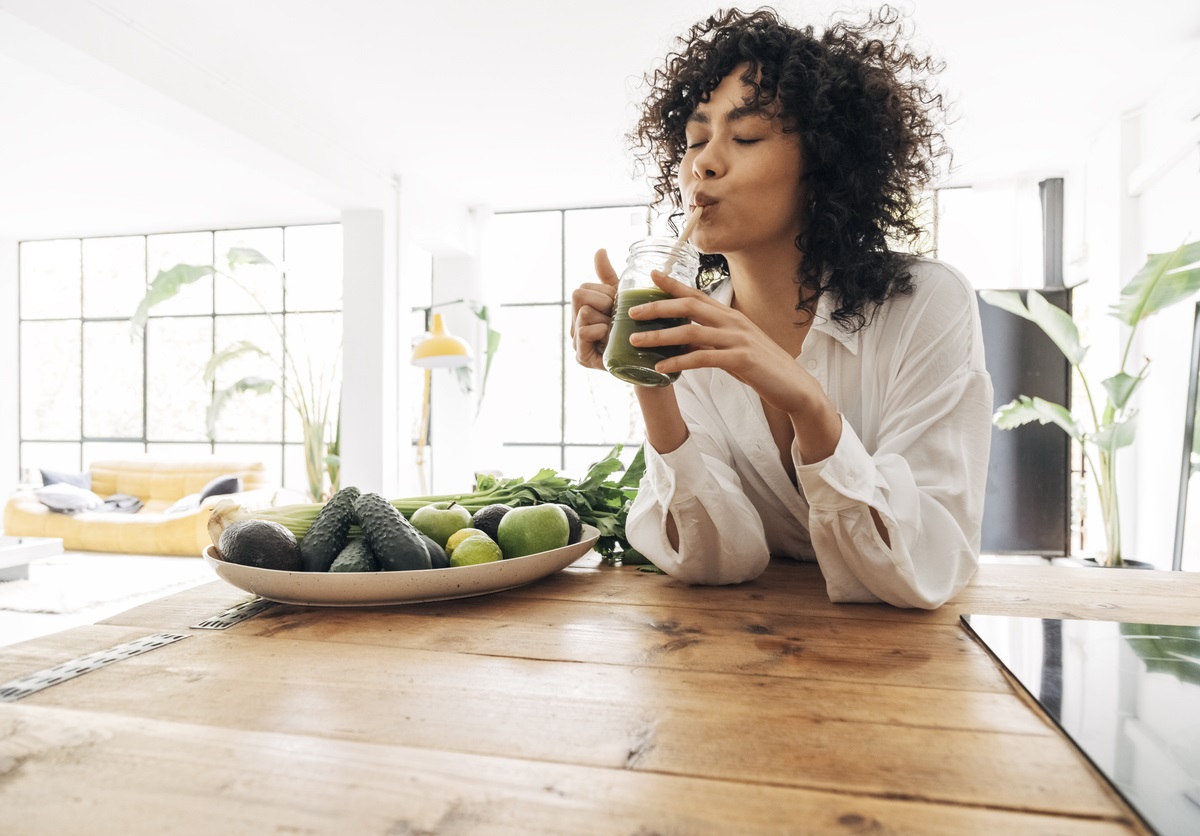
{"points": [[604, 269]]}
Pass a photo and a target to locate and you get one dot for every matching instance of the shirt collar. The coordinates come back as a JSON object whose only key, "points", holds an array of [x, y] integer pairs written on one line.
{"points": [[824, 322]]}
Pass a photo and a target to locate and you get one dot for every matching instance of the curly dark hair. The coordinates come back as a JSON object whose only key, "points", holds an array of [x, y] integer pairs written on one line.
{"points": [[869, 121]]}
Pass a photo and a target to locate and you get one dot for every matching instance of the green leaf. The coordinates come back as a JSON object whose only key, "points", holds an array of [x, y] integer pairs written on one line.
{"points": [[257, 385], [166, 285], [599, 472], [245, 255], [1008, 300], [493, 343], [635, 471], [1053, 320], [228, 353], [1165, 278], [1026, 409], [1120, 387], [465, 383], [1115, 436]]}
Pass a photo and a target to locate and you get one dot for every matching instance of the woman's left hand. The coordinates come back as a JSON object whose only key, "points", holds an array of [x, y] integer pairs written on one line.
{"points": [[720, 337]]}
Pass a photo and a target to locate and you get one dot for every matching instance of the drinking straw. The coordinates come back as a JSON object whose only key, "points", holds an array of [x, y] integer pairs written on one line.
{"points": [[688, 226]]}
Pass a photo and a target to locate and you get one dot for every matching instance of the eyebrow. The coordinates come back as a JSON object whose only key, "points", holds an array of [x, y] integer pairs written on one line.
{"points": [[741, 112]]}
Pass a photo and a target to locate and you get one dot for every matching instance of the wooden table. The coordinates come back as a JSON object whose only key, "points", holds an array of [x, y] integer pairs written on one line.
{"points": [[599, 700]]}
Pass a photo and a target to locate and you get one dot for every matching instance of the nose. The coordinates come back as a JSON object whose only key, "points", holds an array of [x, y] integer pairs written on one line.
{"points": [[708, 164]]}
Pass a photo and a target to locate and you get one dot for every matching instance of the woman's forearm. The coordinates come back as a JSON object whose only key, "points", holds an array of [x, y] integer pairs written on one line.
{"points": [[665, 427]]}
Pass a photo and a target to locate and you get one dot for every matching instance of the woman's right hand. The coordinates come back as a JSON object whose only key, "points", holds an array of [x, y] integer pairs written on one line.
{"points": [[591, 314]]}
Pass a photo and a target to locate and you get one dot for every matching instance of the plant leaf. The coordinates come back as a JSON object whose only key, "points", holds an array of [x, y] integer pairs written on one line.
{"points": [[257, 385], [1008, 300], [1025, 409], [1115, 436], [1056, 323], [1120, 387], [228, 353], [245, 255], [1165, 278], [165, 286], [632, 477], [493, 343]]}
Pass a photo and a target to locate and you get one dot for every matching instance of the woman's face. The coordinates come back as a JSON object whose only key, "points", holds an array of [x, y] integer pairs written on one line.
{"points": [[744, 170]]}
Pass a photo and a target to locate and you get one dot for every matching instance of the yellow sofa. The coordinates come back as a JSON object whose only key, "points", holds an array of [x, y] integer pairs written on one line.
{"points": [[159, 484]]}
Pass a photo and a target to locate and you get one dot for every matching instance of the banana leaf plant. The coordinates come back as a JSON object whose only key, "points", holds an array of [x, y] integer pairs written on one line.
{"points": [[1109, 424], [314, 398]]}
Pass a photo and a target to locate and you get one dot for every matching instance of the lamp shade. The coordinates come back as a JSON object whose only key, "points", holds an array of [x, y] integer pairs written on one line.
{"points": [[439, 349]]}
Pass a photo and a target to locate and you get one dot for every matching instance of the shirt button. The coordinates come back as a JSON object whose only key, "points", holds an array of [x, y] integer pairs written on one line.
{"points": [[812, 364]]}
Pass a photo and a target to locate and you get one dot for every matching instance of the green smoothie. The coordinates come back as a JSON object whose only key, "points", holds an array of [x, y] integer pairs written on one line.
{"points": [[635, 364]]}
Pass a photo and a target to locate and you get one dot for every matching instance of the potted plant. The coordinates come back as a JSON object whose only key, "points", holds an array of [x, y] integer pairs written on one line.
{"points": [[315, 397], [1110, 424]]}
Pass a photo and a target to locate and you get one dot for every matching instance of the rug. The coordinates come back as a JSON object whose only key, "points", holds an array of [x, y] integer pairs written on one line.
{"points": [[77, 581]]}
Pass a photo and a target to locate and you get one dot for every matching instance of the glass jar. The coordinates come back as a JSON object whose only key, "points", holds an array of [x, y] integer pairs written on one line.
{"points": [[635, 364]]}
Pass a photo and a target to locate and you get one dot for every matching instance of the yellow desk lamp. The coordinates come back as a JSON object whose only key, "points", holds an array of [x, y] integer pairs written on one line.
{"points": [[438, 349]]}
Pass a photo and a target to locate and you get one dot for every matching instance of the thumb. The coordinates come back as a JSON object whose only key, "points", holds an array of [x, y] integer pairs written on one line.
{"points": [[604, 269]]}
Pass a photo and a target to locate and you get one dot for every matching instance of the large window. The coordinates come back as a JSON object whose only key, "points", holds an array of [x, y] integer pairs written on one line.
{"points": [[91, 389]]}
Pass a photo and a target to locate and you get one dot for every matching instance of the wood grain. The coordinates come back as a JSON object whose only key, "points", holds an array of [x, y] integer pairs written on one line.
{"points": [[598, 700]]}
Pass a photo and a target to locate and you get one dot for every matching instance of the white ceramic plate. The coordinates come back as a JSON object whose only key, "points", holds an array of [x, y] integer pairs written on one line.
{"points": [[370, 589]]}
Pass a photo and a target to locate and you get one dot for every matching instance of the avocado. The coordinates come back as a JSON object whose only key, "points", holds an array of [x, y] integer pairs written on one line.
{"points": [[329, 532], [263, 544], [574, 524], [392, 538], [487, 519], [356, 557]]}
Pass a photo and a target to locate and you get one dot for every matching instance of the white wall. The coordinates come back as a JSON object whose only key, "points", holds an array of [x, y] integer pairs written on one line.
{"points": [[8, 367]]}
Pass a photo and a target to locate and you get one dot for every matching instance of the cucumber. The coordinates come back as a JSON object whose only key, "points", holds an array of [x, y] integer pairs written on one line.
{"points": [[356, 557], [392, 538], [329, 532]]}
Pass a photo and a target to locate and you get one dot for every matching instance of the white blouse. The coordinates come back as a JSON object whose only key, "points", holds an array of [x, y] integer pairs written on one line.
{"points": [[916, 406]]}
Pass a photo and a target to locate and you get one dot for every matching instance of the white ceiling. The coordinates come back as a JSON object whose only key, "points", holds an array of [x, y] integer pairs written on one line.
{"points": [[145, 115]]}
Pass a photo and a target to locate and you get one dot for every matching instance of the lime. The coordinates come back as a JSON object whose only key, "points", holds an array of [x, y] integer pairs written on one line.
{"points": [[478, 548], [460, 535]]}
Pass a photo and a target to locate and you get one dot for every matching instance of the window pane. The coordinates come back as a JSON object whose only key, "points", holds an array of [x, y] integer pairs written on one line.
{"points": [[314, 267], [314, 342], [268, 454], [587, 230], [522, 257], [249, 416], [49, 279], [112, 381], [114, 275], [38, 455], [177, 350], [295, 474], [527, 375], [599, 408], [100, 451], [523, 462], [580, 459], [259, 282], [50, 374], [183, 452], [164, 252]]}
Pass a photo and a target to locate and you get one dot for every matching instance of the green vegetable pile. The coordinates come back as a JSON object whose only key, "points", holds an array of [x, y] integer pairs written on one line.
{"points": [[598, 499]]}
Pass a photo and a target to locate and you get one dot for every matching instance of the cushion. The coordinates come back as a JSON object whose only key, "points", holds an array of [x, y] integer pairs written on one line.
{"points": [[221, 485], [67, 498], [56, 477], [182, 506]]}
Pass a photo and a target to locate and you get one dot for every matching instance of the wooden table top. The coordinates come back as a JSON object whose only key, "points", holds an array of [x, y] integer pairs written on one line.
{"points": [[598, 700]]}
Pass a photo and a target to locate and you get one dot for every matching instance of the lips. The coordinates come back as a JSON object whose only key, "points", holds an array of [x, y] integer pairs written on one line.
{"points": [[702, 200]]}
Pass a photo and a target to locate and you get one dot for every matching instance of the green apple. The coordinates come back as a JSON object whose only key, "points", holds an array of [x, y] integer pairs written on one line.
{"points": [[438, 520], [478, 548], [530, 529]]}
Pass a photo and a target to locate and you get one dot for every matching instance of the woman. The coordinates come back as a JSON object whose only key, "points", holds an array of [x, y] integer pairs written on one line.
{"points": [[833, 402]]}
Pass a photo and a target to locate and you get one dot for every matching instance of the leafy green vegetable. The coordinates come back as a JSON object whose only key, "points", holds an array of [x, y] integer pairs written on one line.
{"points": [[599, 500]]}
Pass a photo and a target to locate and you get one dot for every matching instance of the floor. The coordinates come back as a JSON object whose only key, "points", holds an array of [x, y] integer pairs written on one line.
{"points": [[170, 574]]}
